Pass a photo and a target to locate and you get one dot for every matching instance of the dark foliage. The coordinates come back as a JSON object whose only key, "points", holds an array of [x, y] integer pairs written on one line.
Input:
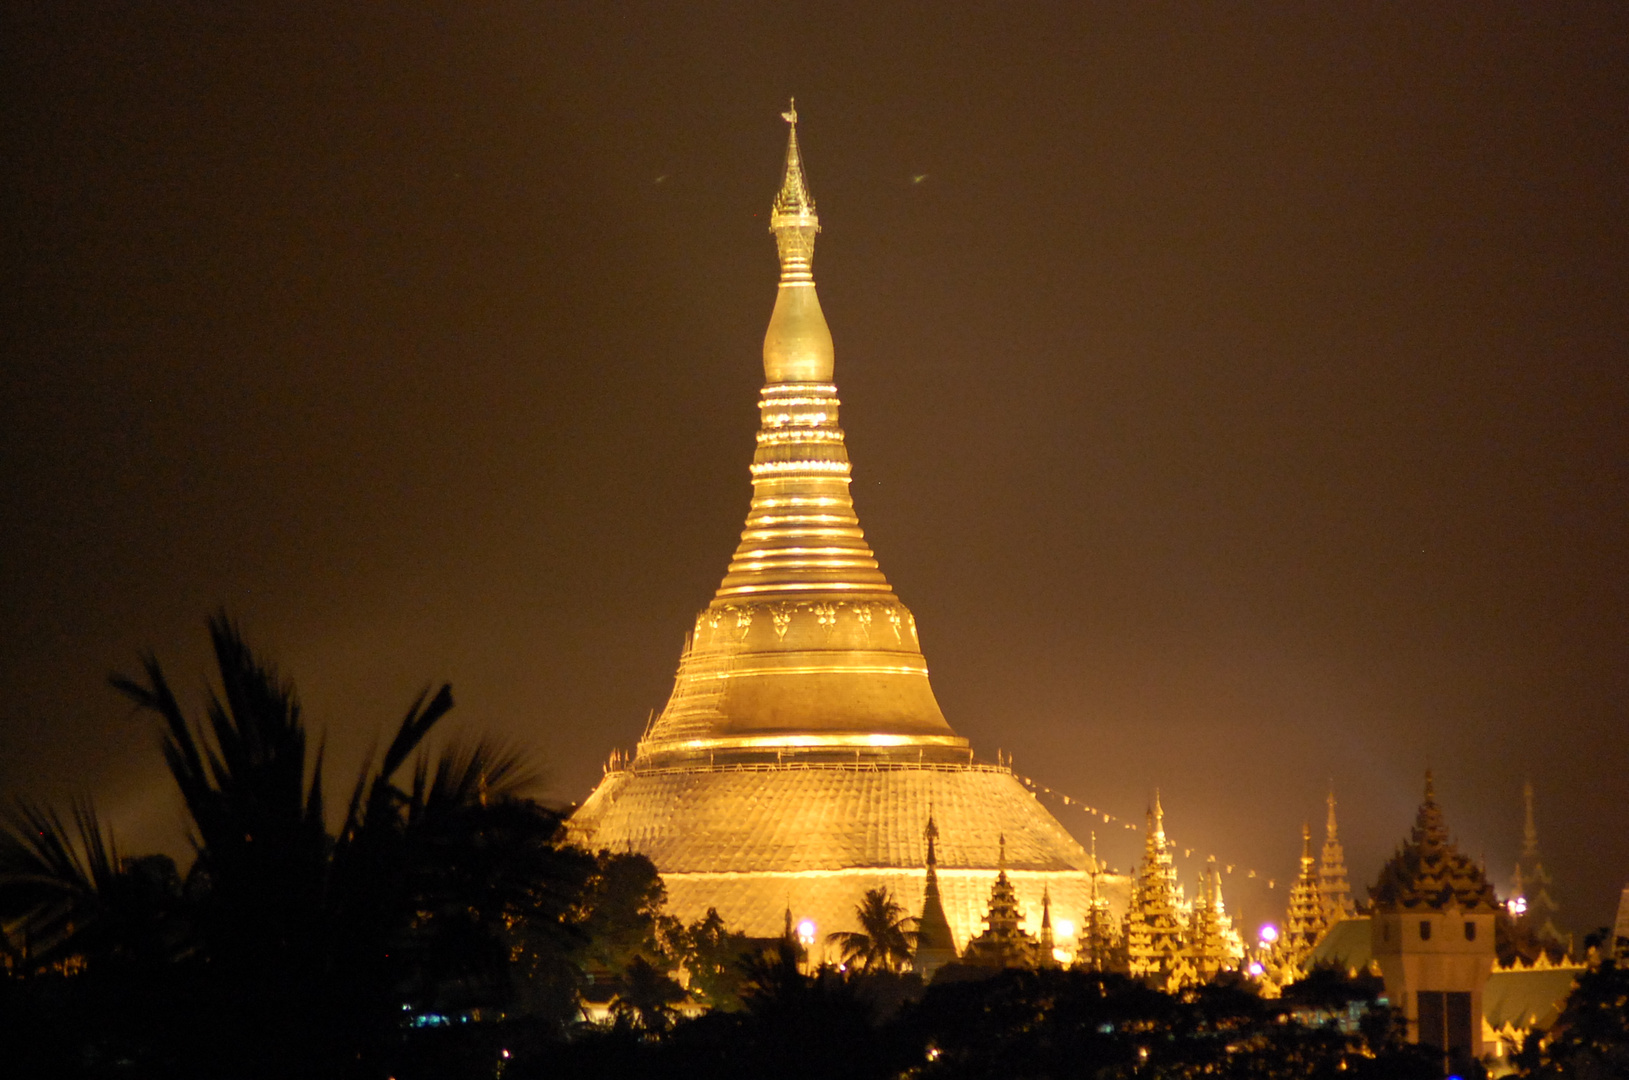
{"points": [[1590, 1041], [290, 950], [715, 957]]}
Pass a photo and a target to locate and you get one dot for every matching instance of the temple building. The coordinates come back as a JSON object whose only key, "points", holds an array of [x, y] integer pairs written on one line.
{"points": [[802, 747], [1431, 931]]}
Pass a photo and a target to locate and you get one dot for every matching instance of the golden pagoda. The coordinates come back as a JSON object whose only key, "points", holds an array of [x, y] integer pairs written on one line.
{"points": [[1155, 927], [1098, 945], [1333, 887], [795, 762], [1213, 945], [1005, 943]]}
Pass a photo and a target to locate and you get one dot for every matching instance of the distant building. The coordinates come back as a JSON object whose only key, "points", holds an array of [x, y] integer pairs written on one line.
{"points": [[1518, 999], [1532, 902], [1431, 932]]}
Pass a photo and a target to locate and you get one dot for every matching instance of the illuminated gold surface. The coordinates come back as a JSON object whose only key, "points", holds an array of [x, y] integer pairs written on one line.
{"points": [[746, 839], [798, 754]]}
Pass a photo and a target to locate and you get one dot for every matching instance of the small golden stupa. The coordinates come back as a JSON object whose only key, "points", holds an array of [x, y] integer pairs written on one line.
{"points": [[797, 759]]}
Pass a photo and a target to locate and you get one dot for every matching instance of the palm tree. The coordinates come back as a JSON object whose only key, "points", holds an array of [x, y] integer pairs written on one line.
{"points": [[884, 940], [647, 997], [309, 943]]}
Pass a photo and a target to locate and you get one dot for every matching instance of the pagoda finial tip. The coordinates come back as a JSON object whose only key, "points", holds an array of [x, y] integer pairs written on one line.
{"points": [[791, 113]]}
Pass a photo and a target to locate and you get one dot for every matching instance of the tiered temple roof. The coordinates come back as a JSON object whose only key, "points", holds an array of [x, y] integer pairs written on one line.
{"points": [[1304, 919], [1095, 949], [1154, 924], [802, 746], [1005, 943], [1213, 944], [1429, 872], [1333, 885]]}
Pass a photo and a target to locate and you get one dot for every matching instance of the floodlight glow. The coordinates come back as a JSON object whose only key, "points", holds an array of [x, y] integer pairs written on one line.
{"points": [[1066, 927], [1517, 906], [1269, 934], [806, 932], [1256, 970]]}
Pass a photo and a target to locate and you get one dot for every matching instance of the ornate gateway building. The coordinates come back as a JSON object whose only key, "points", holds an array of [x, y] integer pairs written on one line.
{"points": [[802, 750]]}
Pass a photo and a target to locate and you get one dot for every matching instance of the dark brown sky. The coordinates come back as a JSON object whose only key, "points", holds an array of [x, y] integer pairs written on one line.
{"points": [[1239, 398]]}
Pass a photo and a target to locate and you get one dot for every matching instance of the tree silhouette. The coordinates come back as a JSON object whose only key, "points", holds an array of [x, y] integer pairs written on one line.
{"points": [[713, 956], [292, 950], [883, 942], [1590, 1040], [647, 997]]}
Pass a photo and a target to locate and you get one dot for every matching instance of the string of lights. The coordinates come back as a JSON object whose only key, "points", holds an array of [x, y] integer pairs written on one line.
{"points": [[1108, 818]]}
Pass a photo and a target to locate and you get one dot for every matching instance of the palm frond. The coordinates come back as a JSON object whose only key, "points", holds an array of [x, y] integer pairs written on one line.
{"points": [[55, 876], [377, 798], [465, 775]]}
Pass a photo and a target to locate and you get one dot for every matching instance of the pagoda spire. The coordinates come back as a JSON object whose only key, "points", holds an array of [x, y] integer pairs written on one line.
{"points": [[797, 347], [1304, 922], [1045, 955], [1004, 942], [1536, 915], [1213, 945], [1333, 885], [1094, 950], [935, 946], [1154, 927], [1529, 830], [804, 647]]}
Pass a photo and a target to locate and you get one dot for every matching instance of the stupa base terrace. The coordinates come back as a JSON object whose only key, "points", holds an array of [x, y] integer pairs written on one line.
{"points": [[810, 833]]}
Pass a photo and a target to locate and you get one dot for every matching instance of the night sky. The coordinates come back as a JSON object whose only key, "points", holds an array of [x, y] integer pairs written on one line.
{"points": [[1238, 397]]}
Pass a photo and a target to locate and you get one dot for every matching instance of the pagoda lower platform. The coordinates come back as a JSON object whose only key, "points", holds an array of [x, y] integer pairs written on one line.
{"points": [[755, 839]]}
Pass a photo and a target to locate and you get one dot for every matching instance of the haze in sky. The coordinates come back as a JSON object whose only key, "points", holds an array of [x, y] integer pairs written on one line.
{"points": [[1238, 398]]}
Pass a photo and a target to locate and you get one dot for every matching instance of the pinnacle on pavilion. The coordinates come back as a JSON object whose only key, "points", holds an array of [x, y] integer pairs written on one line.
{"points": [[1304, 921], [1213, 946], [935, 946], [1430, 873], [1005, 943], [1532, 884], [1332, 882], [1047, 944], [1154, 928], [1094, 950]]}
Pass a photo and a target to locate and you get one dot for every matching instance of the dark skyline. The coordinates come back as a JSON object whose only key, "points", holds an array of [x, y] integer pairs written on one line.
{"points": [[1238, 399]]}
